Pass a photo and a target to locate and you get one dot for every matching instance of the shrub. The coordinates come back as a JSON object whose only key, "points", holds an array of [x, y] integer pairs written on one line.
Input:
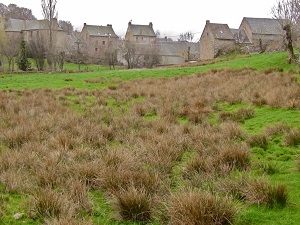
{"points": [[134, 204], [201, 208]]}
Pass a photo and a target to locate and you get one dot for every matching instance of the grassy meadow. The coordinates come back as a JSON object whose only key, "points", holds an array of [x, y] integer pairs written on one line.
{"points": [[213, 142]]}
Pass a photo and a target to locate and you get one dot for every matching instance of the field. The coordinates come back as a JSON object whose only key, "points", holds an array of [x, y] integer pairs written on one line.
{"points": [[205, 143]]}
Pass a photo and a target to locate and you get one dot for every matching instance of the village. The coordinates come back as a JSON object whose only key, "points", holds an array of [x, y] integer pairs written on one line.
{"points": [[141, 46]]}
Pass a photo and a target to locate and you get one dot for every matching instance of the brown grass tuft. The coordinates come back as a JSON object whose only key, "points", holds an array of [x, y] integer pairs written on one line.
{"points": [[133, 204], [50, 204], [201, 208], [257, 140], [292, 138], [259, 191]]}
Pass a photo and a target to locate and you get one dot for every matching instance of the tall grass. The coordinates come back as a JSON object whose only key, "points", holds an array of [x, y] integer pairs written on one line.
{"points": [[201, 208], [141, 143]]}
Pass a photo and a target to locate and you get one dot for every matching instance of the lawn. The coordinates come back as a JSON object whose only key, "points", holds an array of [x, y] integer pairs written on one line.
{"points": [[204, 143]]}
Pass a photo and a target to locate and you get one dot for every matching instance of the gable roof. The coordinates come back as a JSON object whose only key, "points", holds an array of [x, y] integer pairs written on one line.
{"points": [[100, 31], [141, 30], [264, 25], [16, 25], [220, 31]]}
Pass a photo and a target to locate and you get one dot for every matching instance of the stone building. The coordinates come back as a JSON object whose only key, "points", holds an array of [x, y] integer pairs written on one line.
{"points": [[33, 29], [215, 39], [140, 34], [98, 40], [261, 34]]}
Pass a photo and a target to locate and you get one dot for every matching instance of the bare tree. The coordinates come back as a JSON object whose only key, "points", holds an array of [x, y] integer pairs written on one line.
{"points": [[151, 56], [111, 57], [50, 13], [129, 53], [38, 51], [287, 12], [187, 36], [10, 47]]}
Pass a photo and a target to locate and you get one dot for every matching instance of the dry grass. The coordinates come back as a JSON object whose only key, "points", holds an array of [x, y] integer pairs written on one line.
{"points": [[134, 204], [131, 140], [292, 138], [260, 191], [201, 208], [257, 140]]}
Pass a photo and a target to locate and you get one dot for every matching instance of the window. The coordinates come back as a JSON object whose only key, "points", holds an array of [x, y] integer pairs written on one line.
{"points": [[103, 42], [96, 49], [137, 38], [96, 42], [142, 38]]}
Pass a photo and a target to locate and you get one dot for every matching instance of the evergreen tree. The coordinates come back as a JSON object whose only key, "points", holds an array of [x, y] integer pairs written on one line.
{"points": [[23, 62]]}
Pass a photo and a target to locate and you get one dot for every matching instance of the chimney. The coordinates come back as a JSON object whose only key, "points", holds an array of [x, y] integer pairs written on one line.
{"points": [[84, 24], [109, 25], [151, 24], [207, 21]]}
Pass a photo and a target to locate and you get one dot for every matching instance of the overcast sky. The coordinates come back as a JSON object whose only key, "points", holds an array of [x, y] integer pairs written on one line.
{"points": [[169, 17]]}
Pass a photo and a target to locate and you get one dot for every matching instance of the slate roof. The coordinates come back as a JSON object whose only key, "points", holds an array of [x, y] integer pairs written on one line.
{"points": [[142, 30], [100, 31], [16, 25], [173, 48], [221, 31], [264, 25]]}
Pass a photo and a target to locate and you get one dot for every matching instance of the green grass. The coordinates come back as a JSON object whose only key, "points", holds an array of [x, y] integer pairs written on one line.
{"points": [[278, 159], [58, 80]]}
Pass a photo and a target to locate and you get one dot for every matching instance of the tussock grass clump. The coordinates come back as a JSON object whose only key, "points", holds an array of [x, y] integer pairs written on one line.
{"points": [[259, 191], [240, 115], [233, 157], [277, 129], [257, 140], [233, 186], [133, 204], [292, 138], [50, 204], [201, 208], [99, 80]]}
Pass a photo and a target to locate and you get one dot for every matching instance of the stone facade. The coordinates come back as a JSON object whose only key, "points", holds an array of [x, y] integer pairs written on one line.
{"points": [[140, 34], [98, 40], [261, 34], [215, 38], [34, 29]]}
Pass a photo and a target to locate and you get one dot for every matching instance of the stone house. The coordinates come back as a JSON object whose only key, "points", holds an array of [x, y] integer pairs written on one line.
{"points": [[140, 34], [98, 40], [215, 39], [260, 34], [33, 29], [141, 40]]}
